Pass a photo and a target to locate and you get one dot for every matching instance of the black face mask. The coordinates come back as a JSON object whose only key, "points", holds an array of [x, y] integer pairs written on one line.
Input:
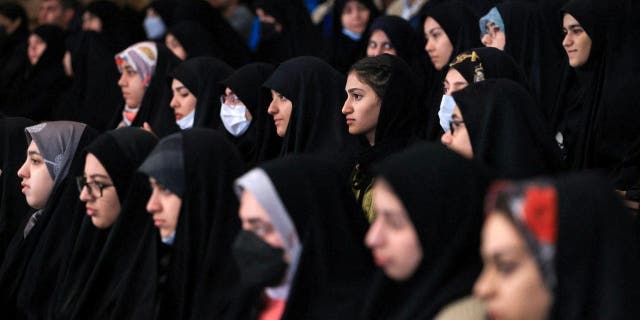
{"points": [[260, 264], [268, 32]]}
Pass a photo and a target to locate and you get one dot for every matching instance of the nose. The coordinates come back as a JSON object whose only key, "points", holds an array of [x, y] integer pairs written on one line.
{"points": [[374, 237], [23, 172], [346, 108], [272, 108], [446, 138], [567, 42], [486, 40], [483, 288], [84, 194], [174, 102], [429, 46], [153, 205], [122, 81]]}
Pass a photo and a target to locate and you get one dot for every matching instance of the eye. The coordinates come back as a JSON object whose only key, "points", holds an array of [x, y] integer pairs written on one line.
{"points": [[388, 46], [356, 96], [505, 267], [372, 44], [35, 161], [282, 98]]}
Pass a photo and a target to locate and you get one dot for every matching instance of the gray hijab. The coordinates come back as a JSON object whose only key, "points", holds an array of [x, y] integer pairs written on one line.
{"points": [[57, 142], [166, 164]]}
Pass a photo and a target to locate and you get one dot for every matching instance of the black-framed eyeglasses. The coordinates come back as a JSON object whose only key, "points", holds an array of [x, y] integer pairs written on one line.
{"points": [[231, 99], [95, 188], [454, 124]]}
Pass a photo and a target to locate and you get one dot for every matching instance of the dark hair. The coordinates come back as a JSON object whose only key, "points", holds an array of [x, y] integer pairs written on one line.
{"points": [[375, 72]]}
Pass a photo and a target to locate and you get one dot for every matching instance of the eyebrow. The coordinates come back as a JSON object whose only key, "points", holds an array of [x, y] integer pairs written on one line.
{"points": [[573, 26], [93, 176], [256, 221], [434, 29], [178, 88], [352, 90], [33, 153], [129, 68], [454, 116]]}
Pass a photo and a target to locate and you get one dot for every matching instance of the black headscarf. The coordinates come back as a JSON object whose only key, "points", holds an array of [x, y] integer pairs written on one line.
{"points": [[154, 107], [36, 94], [593, 268], [506, 129], [100, 262], [442, 193], [530, 42], [200, 272], [13, 46], [333, 267], [299, 37], [195, 40], [344, 50], [316, 91], [460, 24], [202, 76], [165, 9], [31, 265], [261, 142], [596, 113], [234, 50], [13, 206], [479, 64], [114, 28], [403, 37]]}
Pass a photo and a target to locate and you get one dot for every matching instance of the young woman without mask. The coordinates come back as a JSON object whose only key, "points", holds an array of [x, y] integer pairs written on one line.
{"points": [[380, 109], [543, 241], [425, 238], [37, 251]]}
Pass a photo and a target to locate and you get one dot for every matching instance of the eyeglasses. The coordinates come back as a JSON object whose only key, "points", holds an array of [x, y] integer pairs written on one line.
{"points": [[94, 187], [231, 99], [454, 124]]}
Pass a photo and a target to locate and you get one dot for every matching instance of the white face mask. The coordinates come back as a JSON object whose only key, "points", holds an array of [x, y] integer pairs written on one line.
{"points": [[170, 239], [187, 121], [234, 119], [446, 111]]}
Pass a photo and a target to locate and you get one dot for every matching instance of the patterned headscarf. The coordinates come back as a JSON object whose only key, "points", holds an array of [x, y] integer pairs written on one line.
{"points": [[493, 16], [142, 56], [57, 142], [533, 209]]}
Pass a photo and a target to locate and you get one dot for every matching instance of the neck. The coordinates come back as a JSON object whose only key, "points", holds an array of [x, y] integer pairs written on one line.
{"points": [[371, 137]]}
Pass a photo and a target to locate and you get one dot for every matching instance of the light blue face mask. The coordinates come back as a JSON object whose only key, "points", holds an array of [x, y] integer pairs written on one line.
{"points": [[187, 121], [446, 111], [170, 239], [351, 35], [154, 27]]}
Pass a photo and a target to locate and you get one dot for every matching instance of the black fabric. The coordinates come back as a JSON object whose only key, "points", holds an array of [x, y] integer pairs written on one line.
{"points": [[460, 24], [594, 239], [29, 271], [202, 76], [507, 131], [403, 37], [316, 91], [261, 142], [155, 108], [334, 266], [201, 271], [114, 27], [232, 45], [166, 164], [299, 37], [442, 194], [597, 106], [37, 91], [396, 122], [195, 40], [344, 50], [99, 266], [530, 42], [94, 97], [165, 9], [13, 206], [494, 64], [12, 46]]}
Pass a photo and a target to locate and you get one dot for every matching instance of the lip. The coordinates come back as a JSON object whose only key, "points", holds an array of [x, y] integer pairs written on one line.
{"points": [[158, 222], [379, 261], [572, 51], [350, 120], [90, 211], [276, 121], [24, 187], [178, 116]]}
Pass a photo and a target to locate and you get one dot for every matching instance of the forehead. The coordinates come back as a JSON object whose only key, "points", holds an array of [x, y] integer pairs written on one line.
{"points": [[568, 19], [454, 75], [33, 147], [380, 35], [354, 82], [430, 24], [93, 165], [251, 209], [175, 83], [499, 234]]}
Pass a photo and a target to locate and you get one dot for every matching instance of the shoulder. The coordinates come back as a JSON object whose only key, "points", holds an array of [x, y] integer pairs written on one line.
{"points": [[467, 308]]}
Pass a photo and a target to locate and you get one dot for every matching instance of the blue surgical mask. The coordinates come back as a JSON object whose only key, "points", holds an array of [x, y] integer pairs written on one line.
{"points": [[351, 35], [187, 121], [154, 27], [446, 111], [169, 240], [234, 119]]}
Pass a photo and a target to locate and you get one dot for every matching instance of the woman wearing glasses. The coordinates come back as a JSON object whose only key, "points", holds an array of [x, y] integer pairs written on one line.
{"points": [[497, 122], [114, 233], [36, 252], [380, 109], [195, 87]]}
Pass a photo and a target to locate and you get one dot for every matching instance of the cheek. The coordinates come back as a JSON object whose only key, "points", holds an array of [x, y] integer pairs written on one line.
{"points": [[525, 295]]}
